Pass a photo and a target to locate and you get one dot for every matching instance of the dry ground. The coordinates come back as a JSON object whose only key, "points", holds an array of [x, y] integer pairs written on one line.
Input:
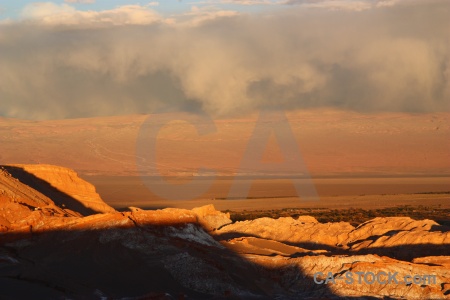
{"points": [[367, 193]]}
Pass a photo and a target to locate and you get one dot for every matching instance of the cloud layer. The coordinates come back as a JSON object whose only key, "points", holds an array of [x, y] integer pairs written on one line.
{"points": [[62, 63]]}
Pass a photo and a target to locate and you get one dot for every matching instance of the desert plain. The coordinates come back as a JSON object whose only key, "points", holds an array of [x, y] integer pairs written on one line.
{"points": [[79, 219]]}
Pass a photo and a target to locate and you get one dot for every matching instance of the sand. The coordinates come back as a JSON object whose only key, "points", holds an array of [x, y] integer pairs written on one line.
{"points": [[334, 193]]}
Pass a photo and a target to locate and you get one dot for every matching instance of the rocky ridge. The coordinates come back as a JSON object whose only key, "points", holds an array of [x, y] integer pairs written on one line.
{"points": [[50, 251], [51, 190]]}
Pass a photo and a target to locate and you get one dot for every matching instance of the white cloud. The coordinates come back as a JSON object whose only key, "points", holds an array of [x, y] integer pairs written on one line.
{"points": [[80, 1], [386, 3], [349, 5], [249, 2], [53, 14], [245, 2], [199, 15], [391, 59], [353, 5], [42, 10], [341, 5], [334, 4], [48, 13]]}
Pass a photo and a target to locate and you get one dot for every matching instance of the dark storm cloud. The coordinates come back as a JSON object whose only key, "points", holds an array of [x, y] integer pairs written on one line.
{"points": [[73, 64]]}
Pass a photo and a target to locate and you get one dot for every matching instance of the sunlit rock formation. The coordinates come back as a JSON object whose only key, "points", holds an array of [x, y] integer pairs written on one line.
{"points": [[52, 248]]}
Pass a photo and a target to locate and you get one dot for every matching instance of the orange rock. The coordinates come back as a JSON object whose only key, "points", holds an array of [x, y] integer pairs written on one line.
{"points": [[210, 218], [78, 194]]}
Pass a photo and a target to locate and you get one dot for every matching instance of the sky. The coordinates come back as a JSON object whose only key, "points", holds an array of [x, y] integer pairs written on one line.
{"points": [[87, 58]]}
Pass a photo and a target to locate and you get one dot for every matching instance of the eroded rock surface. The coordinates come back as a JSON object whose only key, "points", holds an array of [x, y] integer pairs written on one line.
{"points": [[421, 247], [47, 190], [210, 218], [62, 185], [52, 252], [401, 234], [288, 230]]}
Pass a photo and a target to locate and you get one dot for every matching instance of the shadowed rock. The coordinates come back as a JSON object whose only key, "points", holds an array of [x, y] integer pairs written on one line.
{"points": [[47, 186]]}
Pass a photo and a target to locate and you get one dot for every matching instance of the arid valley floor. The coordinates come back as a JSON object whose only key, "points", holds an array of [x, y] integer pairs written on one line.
{"points": [[79, 220]]}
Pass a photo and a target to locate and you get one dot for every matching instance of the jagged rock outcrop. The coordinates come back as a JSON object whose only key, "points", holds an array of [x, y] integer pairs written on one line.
{"points": [[390, 226], [289, 230], [288, 245], [379, 233], [199, 254], [123, 254], [20, 204], [47, 190], [258, 246], [434, 260], [62, 185], [210, 218], [344, 281]]}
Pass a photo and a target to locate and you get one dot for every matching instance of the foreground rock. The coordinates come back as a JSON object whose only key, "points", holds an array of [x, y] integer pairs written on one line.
{"points": [[303, 231], [169, 254], [43, 197], [211, 219], [162, 254], [397, 237], [62, 185]]}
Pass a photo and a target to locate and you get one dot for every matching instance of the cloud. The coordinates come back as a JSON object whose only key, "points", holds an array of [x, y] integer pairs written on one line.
{"points": [[249, 2], [42, 10], [53, 14], [334, 4], [353, 5], [342, 5], [202, 14], [394, 58], [241, 2], [80, 1]]}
